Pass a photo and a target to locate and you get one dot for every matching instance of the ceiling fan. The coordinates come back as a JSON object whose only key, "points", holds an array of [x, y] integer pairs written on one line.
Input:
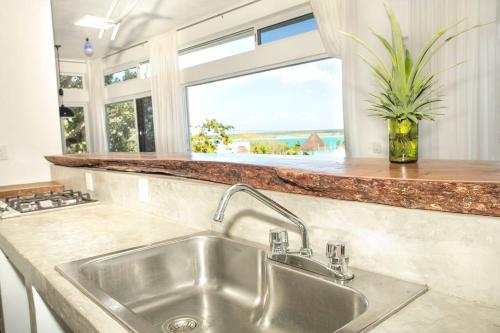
{"points": [[116, 22]]}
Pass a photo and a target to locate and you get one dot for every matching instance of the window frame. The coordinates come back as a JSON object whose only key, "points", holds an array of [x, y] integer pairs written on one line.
{"points": [[86, 121], [134, 99], [298, 19], [228, 38]]}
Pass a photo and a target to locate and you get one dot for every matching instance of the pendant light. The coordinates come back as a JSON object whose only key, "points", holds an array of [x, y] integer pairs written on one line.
{"points": [[88, 49], [63, 110]]}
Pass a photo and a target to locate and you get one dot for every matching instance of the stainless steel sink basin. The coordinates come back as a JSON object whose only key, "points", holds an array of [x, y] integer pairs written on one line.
{"points": [[209, 283]]}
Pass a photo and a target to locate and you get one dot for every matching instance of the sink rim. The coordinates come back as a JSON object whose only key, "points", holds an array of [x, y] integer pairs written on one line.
{"points": [[376, 312]]}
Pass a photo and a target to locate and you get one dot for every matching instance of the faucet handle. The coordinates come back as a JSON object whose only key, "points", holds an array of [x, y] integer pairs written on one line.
{"points": [[338, 254], [278, 241], [337, 250]]}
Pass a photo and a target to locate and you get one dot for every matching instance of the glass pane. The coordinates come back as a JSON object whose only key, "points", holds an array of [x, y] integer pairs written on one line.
{"points": [[294, 110], [287, 29], [71, 81], [121, 76], [121, 127], [74, 132], [217, 52], [145, 124]]}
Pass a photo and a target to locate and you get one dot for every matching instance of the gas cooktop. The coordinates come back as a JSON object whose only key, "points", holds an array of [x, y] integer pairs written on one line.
{"points": [[39, 202]]}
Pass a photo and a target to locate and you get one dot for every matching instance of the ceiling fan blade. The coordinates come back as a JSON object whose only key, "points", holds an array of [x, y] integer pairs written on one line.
{"points": [[127, 11], [108, 15], [115, 31]]}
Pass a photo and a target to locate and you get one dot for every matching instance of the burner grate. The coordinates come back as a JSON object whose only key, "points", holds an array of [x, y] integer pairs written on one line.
{"points": [[48, 200]]}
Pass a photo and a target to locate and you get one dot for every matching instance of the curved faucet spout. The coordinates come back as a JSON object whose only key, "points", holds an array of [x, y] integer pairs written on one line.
{"points": [[219, 213]]}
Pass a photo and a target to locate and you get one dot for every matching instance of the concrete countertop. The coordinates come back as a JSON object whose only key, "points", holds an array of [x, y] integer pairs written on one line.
{"points": [[37, 243]]}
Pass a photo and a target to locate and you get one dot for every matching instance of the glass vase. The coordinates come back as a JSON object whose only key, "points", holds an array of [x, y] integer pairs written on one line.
{"points": [[403, 141]]}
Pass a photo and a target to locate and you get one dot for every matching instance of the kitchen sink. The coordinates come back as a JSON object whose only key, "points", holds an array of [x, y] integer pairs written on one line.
{"points": [[214, 284]]}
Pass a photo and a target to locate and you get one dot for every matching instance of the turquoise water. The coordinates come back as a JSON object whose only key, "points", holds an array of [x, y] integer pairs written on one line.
{"points": [[330, 141]]}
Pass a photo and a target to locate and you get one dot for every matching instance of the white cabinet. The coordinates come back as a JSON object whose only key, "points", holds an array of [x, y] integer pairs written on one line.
{"points": [[15, 304], [16, 299], [46, 321]]}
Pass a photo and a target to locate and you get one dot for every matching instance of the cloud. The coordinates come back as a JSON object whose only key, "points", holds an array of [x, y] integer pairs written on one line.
{"points": [[305, 73]]}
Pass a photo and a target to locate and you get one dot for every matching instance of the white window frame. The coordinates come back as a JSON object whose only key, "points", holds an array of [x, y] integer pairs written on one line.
{"points": [[294, 50], [86, 121], [124, 67]]}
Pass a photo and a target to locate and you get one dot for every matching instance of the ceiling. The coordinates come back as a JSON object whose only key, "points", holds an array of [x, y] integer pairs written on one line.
{"points": [[147, 19]]}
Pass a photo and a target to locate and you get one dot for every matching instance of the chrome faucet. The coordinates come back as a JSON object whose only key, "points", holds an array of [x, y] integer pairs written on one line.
{"points": [[336, 251], [305, 250]]}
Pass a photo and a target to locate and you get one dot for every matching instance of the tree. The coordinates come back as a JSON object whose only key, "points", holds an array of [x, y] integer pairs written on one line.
{"points": [[122, 134], [211, 134], [74, 132], [71, 81], [276, 148]]}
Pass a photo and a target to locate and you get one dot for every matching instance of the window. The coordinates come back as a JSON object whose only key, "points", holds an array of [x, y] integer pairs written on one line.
{"points": [[217, 49], [71, 81], [74, 138], [286, 29], [122, 127], [127, 74], [145, 124], [130, 126], [295, 110]]}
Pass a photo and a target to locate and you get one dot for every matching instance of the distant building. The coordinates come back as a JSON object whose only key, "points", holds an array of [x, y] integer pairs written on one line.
{"points": [[238, 147], [314, 143]]}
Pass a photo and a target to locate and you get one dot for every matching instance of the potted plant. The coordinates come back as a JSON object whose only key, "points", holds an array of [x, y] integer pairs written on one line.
{"points": [[407, 91]]}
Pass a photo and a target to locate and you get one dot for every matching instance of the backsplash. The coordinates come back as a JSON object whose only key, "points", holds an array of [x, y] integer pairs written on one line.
{"points": [[452, 253]]}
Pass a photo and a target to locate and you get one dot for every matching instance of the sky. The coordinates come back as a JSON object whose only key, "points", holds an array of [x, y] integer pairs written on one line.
{"points": [[300, 97]]}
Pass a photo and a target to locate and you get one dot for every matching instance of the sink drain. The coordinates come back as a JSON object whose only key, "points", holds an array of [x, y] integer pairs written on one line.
{"points": [[181, 324]]}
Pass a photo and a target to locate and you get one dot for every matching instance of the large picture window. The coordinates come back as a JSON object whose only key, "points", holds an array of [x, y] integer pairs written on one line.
{"points": [[295, 110]]}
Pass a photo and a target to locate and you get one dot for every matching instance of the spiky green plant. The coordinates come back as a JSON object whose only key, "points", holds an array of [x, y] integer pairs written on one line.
{"points": [[407, 89]]}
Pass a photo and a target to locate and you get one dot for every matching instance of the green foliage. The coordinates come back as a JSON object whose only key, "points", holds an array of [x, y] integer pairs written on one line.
{"points": [[211, 134], [74, 132], [276, 148], [125, 75], [407, 91], [71, 82], [122, 133]]}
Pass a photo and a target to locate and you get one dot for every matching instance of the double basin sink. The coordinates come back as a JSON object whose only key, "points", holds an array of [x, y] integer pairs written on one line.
{"points": [[209, 283]]}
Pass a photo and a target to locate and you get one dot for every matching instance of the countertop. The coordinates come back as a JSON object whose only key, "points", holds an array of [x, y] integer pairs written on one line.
{"points": [[37, 243], [468, 187]]}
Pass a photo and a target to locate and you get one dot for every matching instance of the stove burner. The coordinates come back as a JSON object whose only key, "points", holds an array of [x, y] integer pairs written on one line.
{"points": [[47, 200]]}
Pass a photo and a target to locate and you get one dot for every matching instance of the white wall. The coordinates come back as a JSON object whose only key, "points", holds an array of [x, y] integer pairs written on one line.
{"points": [[372, 131], [29, 116]]}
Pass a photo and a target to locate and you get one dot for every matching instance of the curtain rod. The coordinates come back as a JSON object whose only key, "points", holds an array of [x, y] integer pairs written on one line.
{"points": [[124, 49], [186, 26], [219, 14]]}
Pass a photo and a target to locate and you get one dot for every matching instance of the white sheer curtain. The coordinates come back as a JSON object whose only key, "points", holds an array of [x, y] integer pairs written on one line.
{"points": [[332, 16], [96, 112], [470, 126], [169, 107]]}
